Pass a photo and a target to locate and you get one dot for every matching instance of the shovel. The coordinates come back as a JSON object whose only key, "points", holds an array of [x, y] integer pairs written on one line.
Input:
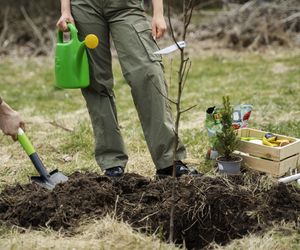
{"points": [[46, 180]]}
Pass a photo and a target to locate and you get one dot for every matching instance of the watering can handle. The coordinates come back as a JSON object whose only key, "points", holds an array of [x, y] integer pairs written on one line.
{"points": [[73, 31]]}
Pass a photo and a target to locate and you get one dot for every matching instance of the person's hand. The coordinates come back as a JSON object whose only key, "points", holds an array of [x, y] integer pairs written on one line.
{"points": [[63, 20], [159, 26], [10, 121]]}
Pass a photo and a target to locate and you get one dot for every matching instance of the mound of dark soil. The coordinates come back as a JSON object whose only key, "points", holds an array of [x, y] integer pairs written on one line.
{"points": [[207, 209]]}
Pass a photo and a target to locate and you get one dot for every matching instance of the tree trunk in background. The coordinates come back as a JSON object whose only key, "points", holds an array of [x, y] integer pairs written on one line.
{"points": [[45, 6], [28, 26]]}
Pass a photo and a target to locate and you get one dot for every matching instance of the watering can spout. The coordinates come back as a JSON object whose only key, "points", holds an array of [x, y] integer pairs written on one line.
{"points": [[91, 41]]}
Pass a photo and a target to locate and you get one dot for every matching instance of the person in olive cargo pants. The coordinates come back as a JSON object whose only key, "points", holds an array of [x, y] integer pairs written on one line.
{"points": [[134, 39]]}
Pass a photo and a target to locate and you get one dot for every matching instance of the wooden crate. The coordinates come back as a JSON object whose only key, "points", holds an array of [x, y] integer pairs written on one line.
{"points": [[273, 160]]}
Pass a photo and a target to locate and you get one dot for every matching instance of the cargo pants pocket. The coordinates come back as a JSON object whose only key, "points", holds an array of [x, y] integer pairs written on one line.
{"points": [[144, 33]]}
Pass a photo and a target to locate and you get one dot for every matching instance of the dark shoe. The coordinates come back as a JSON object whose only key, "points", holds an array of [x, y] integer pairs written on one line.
{"points": [[114, 172], [181, 169]]}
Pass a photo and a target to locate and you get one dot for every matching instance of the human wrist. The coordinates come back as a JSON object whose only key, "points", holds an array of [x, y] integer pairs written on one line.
{"points": [[158, 15], [66, 12], [158, 12], [2, 107], [65, 7], [5, 109], [158, 8]]}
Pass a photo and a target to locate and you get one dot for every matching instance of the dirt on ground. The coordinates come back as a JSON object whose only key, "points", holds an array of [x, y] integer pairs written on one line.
{"points": [[207, 209]]}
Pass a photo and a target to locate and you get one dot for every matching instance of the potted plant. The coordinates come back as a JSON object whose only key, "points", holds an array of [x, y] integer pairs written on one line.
{"points": [[226, 142]]}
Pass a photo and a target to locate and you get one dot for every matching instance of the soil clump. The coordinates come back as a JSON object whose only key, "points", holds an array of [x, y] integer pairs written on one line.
{"points": [[208, 209]]}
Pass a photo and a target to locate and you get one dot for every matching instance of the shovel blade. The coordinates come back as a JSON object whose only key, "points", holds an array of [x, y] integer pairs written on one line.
{"points": [[58, 177], [54, 178]]}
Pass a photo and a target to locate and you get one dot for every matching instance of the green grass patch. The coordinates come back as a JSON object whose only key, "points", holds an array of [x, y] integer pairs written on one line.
{"points": [[80, 140], [270, 82], [29, 84]]}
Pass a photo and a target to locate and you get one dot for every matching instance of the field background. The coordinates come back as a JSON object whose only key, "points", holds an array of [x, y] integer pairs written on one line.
{"points": [[57, 122]]}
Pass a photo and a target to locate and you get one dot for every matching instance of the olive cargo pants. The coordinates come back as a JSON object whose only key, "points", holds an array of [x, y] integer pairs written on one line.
{"points": [[125, 21]]}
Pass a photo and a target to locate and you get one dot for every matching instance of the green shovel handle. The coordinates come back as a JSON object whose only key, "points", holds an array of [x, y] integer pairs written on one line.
{"points": [[25, 142]]}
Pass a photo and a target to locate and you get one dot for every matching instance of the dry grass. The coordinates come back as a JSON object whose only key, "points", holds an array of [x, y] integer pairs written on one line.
{"points": [[104, 234], [282, 237]]}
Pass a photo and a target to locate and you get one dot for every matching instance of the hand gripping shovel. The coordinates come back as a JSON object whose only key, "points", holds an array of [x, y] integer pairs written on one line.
{"points": [[47, 180]]}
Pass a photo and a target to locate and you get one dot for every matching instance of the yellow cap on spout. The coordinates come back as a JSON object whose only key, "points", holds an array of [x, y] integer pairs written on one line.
{"points": [[91, 41]]}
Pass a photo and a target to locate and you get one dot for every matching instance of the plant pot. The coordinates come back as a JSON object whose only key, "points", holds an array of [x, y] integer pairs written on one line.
{"points": [[229, 167]]}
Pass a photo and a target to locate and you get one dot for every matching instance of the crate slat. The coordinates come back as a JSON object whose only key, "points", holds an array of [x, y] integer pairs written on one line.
{"points": [[274, 168], [273, 160]]}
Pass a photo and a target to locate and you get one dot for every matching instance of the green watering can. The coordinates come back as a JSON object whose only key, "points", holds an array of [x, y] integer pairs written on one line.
{"points": [[71, 62]]}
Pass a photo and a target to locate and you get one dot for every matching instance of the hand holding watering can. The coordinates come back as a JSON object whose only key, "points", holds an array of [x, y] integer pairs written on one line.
{"points": [[71, 62]]}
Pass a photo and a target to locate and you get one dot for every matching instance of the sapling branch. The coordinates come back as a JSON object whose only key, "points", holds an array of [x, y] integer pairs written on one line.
{"points": [[186, 74], [166, 97], [188, 109], [182, 74], [171, 26]]}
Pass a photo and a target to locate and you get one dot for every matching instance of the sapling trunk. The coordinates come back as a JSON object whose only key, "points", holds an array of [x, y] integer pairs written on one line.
{"points": [[183, 71]]}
